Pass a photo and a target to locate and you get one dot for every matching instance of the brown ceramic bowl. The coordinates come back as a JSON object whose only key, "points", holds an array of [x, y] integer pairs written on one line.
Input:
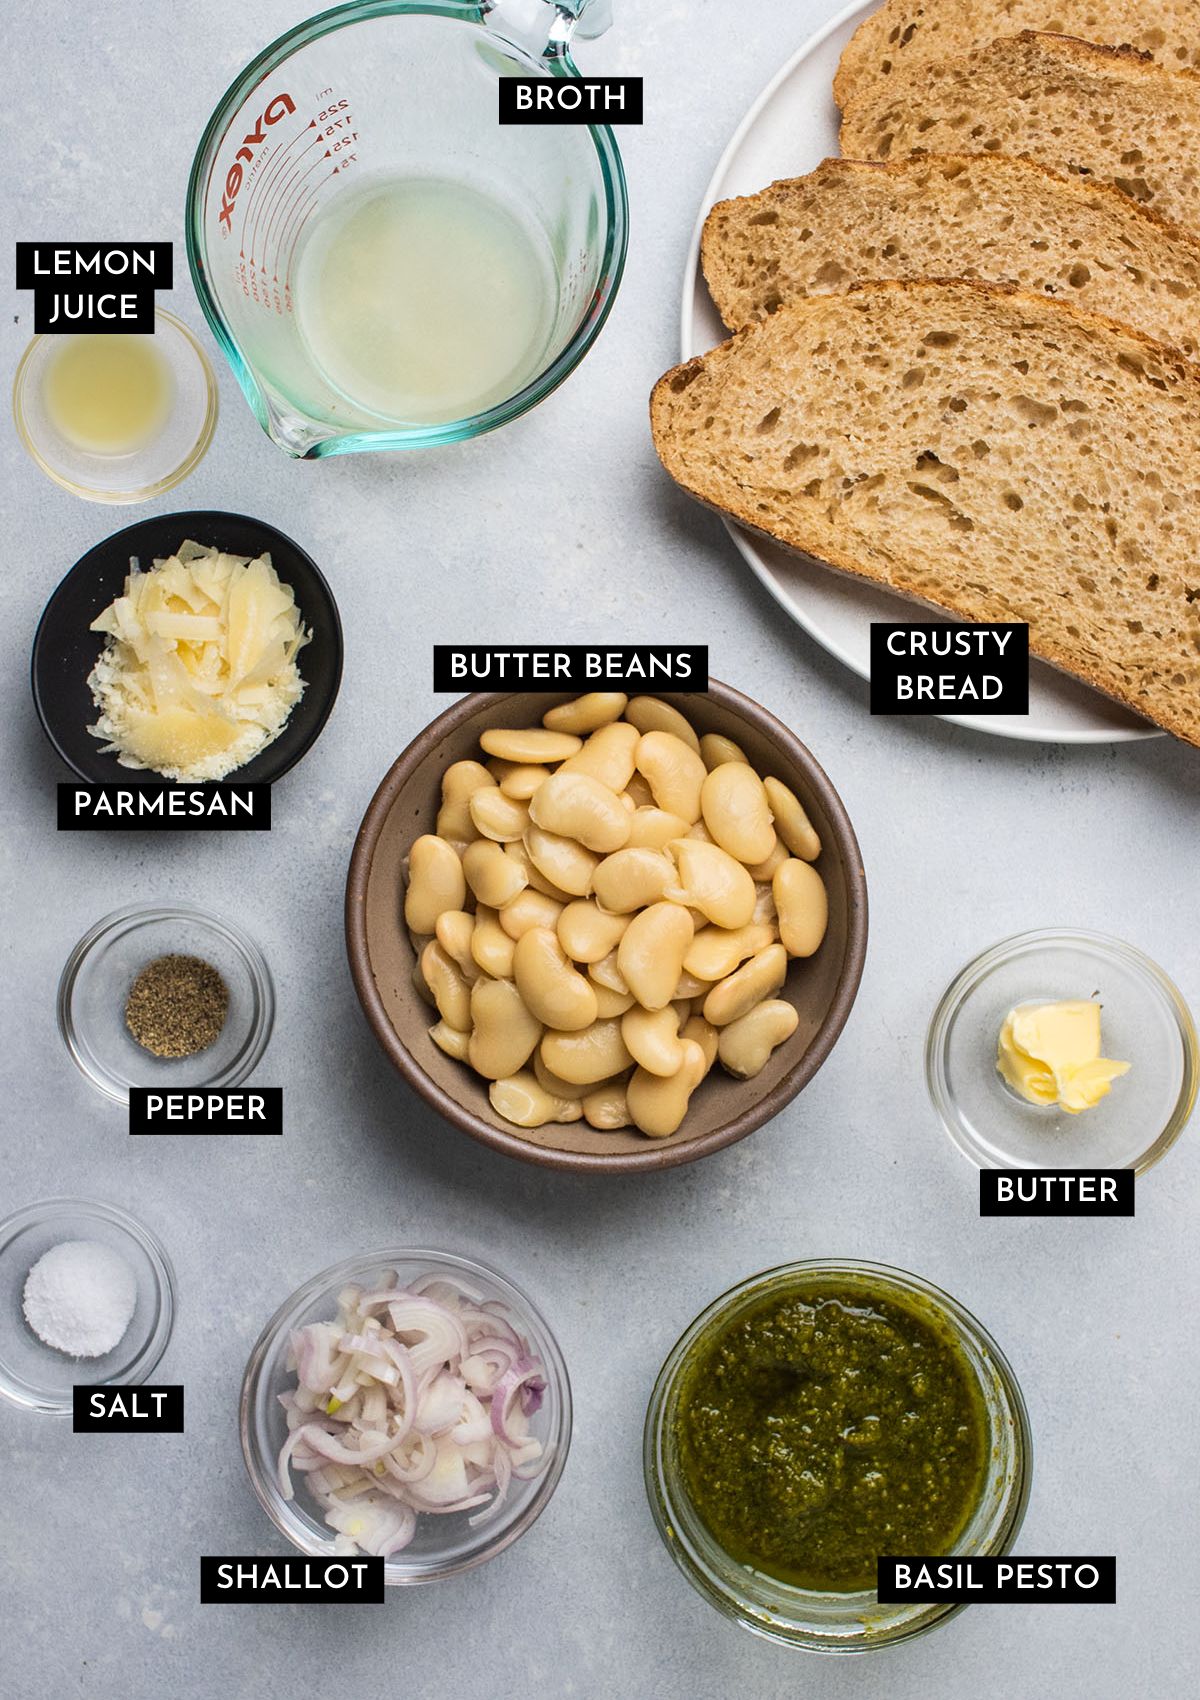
{"points": [[723, 1109]]}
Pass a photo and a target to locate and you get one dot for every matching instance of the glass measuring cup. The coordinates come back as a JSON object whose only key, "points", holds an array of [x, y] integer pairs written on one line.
{"points": [[406, 88]]}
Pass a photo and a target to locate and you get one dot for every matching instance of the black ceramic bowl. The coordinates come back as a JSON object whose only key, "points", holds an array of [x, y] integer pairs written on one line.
{"points": [[65, 650]]}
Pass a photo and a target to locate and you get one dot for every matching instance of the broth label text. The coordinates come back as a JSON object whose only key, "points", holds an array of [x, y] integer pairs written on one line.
{"points": [[570, 100]]}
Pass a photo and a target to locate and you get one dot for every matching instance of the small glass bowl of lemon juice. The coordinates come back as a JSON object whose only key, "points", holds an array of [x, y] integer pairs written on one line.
{"points": [[115, 417]]}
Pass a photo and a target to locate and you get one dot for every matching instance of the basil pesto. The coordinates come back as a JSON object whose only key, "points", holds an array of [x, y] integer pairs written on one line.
{"points": [[830, 1424]]}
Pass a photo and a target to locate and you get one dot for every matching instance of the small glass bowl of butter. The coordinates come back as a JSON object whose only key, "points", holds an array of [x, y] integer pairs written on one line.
{"points": [[1023, 1055], [114, 417]]}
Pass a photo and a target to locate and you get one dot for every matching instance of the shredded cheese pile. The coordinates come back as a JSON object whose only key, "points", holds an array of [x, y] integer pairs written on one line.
{"points": [[199, 672]]}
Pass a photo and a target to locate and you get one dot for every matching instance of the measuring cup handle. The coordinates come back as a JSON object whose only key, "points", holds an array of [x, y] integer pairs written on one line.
{"points": [[592, 17], [545, 28]]}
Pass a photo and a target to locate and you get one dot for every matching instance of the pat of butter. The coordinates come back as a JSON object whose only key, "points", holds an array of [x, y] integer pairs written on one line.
{"points": [[1050, 1054]]}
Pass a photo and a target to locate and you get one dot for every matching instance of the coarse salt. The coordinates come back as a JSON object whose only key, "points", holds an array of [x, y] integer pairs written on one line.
{"points": [[80, 1297]]}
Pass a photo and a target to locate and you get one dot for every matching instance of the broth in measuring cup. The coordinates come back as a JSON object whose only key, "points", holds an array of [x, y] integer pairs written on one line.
{"points": [[425, 299]]}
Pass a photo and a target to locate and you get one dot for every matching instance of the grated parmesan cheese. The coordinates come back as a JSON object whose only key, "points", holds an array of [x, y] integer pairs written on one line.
{"points": [[199, 671]]}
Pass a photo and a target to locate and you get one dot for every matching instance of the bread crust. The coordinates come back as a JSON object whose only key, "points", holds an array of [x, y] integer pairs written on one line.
{"points": [[680, 377]]}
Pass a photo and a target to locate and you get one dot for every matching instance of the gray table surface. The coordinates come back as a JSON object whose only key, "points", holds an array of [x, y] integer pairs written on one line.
{"points": [[562, 526]]}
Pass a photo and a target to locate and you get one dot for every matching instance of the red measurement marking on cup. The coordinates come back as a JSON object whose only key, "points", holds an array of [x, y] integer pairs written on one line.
{"points": [[276, 172]]}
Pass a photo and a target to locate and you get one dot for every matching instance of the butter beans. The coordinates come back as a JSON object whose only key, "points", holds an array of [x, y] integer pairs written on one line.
{"points": [[503, 1032], [587, 713], [574, 805], [754, 980], [651, 828], [652, 714], [629, 879], [454, 931], [610, 1003], [674, 773], [529, 908], [609, 907], [459, 781], [491, 947], [765, 870], [659, 1105], [554, 1083], [567, 865], [715, 952], [528, 744], [652, 1039], [704, 1034], [711, 881], [587, 933], [533, 875], [606, 1107], [596, 1053], [450, 987], [745, 1044], [791, 821], [496, 816], [650, 955], [606, 973], [494, 877], [803, 905], [518, 780], [449, 1039], [436, 882], [521, 1100], [554, 992], [715, 748], [733, 801], [607, 756]]}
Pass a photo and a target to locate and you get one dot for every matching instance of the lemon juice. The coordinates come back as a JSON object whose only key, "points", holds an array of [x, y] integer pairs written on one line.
{"points": [[107, 394], [425, 300]]}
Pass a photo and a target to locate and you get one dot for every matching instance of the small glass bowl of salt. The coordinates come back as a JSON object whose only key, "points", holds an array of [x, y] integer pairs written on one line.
{"points": [[96, 1313]]}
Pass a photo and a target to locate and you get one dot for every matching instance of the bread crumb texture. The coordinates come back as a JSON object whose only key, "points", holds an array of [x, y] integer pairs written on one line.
{"points": [[1083, 110], [980, 216], [904, 33]]}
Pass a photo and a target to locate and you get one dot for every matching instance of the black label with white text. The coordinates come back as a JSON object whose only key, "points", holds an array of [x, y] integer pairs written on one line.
{"points": [[997, 1581], [275, 1581], [1053, 1192], [154, 807], [127, 1410], [572, 666], [94, 286], [946, 667], [570, 100], [206, 1109]]}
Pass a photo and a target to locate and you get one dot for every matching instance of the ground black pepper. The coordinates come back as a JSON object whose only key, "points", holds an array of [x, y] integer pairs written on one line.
{"points": [[177, 1006]]}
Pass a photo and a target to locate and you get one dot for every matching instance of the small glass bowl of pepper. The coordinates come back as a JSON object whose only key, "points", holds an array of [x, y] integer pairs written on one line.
{"points": [[165, 997], [789, 1444]]}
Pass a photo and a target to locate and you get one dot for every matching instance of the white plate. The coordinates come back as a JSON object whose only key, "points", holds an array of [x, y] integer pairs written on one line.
{"points": [[791, 127]]}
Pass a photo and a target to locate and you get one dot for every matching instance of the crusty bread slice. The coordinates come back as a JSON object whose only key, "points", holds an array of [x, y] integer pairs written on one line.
{"points": [[987, 451], [983, 216], [1090, 111], [904, 33]]}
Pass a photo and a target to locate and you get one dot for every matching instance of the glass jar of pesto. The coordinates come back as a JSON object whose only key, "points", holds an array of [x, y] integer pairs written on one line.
{"points": [[820, 1416]]}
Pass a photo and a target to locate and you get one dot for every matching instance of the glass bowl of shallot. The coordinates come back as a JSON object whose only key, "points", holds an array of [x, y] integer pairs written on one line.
{"points": [[409, 1405]]}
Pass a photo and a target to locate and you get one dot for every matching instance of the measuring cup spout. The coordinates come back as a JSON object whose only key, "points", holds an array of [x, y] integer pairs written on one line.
{"points": [[545, 28]]}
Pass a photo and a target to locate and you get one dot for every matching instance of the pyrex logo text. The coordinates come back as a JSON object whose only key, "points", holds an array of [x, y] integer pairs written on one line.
{"points": [[278, 108]]}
